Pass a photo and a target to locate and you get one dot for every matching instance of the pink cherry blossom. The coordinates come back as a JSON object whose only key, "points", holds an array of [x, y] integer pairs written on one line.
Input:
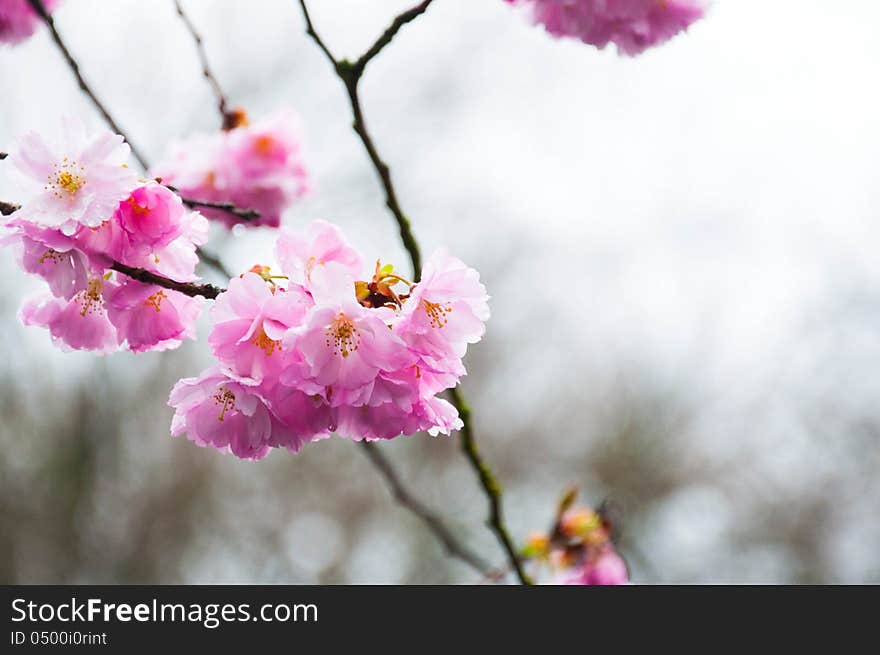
{"points": [[75, 181], [446, 311], [603, 568], [218, 411], [18, 20], [344, 346], [303, 418], [250, 320], [50, 255], [388, 420], [80, 323], [214, 410], [254, 166], [632, 25], [152, 216], [322, 243], [148, 317]]}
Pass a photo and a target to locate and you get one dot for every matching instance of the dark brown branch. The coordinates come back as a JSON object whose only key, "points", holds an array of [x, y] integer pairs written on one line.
{"points": [[238, 212], [187, 288], [389, 34], [74, 67], [227, 117], [350, 74], [453, 547], [3, 155]]}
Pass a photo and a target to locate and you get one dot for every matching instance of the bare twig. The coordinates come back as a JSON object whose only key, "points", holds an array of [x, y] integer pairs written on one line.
{"points": [[429, 518], [350, 74], [187, 288], [230, 208], [3, 155], [227, 117], [390, 33], [74, 67], [489, 484], [214, 262]]}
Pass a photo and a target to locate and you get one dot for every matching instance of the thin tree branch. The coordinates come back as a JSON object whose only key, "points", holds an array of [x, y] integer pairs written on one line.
{"points": [[390, 33], [74, 67], [214, 262], [238, 212], [453, 547], [3, 155], [489, 484], [350, 74], [228, 118], [208, 291]]}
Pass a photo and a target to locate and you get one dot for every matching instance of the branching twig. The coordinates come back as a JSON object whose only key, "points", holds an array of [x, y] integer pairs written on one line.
{"points": [[226, 116], [74, 66], [350, 74], [431, 520], [389, 34]]}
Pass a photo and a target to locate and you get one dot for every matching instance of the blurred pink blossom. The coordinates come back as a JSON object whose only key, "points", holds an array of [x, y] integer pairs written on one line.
{"points": [[632, 25], [18, 20], [254, 166]]}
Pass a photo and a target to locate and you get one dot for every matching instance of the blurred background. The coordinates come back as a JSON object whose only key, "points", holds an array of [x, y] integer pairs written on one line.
{"points": [[681, 251]]}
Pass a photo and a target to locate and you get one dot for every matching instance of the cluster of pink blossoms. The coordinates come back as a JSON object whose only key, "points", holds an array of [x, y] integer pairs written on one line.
{"points": [[632, 25], [83, 210], [579, 549], [255, 166], [18, 20], [318, 350]]}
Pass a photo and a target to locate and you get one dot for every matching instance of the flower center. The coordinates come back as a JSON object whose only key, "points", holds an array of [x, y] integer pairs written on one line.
{"points": [[155, 301], [342, 336], [90, 298], [52, 256], [264, 343], [67, 179], [138, 209], [438, 314], [226, 400], [264, 145]]}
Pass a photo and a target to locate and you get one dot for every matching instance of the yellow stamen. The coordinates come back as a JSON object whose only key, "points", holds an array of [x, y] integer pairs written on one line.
{"points": [[67, 180], [90, 298], [264, 343], [226, 399], [342, 336], [155, 301], [437, 314]]}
